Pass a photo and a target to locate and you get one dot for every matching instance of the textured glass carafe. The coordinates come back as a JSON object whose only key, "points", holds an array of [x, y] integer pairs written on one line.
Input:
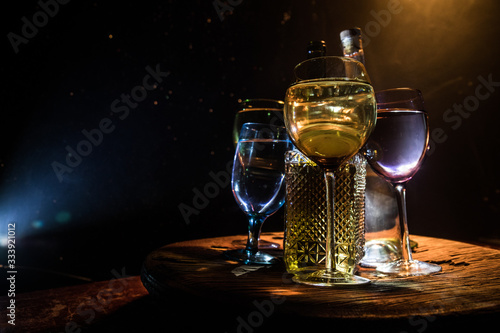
{"points": [[305, 214]]}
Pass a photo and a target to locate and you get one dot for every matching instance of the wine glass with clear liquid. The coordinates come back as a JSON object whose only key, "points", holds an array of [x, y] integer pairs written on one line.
{"points": [[395, 151], [264, 111], [258, 183], [329, 113]]}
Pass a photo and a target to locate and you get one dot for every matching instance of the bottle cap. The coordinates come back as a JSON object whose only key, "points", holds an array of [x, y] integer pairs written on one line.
{"points": [[350, 33]]}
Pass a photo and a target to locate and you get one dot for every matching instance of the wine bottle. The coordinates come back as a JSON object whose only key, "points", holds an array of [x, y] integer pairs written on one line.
{"points": [[382, 240], [305, 208]]}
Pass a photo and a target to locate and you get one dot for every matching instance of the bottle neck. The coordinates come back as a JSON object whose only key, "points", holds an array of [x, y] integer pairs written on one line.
{"points": [[352, 45], [356, 54]]}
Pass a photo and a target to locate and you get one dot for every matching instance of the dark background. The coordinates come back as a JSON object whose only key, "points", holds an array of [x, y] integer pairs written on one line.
{"points": [[122, 201]]}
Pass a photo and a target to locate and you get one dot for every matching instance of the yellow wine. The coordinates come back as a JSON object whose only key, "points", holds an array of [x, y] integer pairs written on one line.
{"points": [[330, 120], [328, 144]]}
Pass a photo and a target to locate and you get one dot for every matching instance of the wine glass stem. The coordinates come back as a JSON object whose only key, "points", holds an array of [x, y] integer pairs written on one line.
{"points": [[330, 219], [403, 223], [254, 226]]}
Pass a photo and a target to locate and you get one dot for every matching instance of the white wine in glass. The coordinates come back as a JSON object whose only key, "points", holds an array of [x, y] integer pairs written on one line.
{"points": [[329, 114]]}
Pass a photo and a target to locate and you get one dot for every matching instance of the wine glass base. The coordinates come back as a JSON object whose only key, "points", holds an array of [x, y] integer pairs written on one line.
{"points": [[326, 278], [262, 244], [401, 268], [247, 257], [380, 252]]}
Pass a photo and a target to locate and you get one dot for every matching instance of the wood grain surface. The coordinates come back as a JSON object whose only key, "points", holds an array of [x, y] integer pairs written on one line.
{"points": [[468, 284], [70, 309], [190, 287]]}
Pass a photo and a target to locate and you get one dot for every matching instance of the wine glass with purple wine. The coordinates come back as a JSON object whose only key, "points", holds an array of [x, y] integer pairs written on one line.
{"points": [[395, 150]]}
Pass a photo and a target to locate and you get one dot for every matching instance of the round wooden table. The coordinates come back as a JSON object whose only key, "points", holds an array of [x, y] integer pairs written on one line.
{"points": [[467, 288]]}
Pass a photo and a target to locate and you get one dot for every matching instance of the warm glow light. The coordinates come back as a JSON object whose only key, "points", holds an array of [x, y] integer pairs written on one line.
{"points": [[286, 292]]}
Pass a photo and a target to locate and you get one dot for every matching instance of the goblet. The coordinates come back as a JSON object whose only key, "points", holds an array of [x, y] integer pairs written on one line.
{"points": [[395, 151], [257, 110], [258, 183], [329, 113]]}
